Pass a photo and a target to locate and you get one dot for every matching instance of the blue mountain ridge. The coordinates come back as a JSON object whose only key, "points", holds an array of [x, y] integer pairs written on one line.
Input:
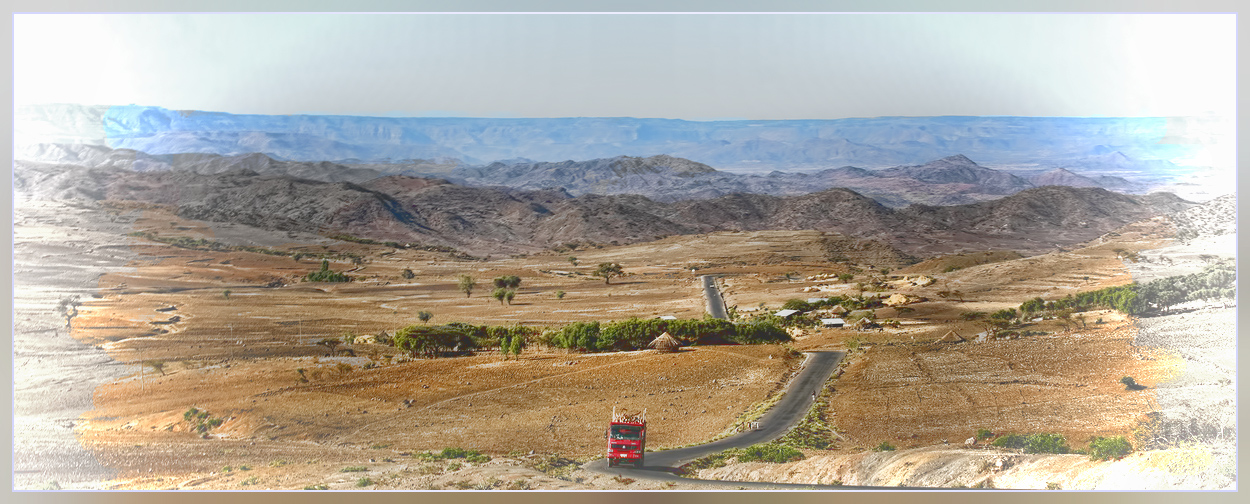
{"points": [[739, 145]]}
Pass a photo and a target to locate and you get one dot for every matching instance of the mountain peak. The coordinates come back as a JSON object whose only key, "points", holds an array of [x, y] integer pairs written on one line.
{"points": [[957, 159]]}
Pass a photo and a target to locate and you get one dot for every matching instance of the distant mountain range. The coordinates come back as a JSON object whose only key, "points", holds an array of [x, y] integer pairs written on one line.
{"points": [[486, 220], [1128, 146], [948, 181]]}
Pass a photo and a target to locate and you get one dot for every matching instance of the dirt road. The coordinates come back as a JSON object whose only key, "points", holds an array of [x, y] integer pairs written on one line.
{"points": [[792, 407]]}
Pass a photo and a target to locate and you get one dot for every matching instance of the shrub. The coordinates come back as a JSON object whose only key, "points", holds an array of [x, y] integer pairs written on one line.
{"points": [[983, 434], [1130, 384], [317, 487], [349, 469], [556, 465], [1101, 448], [884, 446], [1014, 441], [454, 453], [760, 332], [1046, 443], [364, 482], [325, 274], [469, 455], [797, 304], [769, 452]]}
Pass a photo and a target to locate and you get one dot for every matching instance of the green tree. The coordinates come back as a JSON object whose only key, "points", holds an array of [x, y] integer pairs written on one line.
{"points": [[559, 294], [226, 294], [607, 270], [845, 277], [797, 304], [325, 274], [330, 343], [573, 260], [466, 284], [515, 346], [499, 293], [431, 341], [507, 282], [408, 274], [425, 315]]}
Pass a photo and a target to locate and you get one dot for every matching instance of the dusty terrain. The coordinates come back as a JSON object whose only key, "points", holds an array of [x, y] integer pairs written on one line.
{"points": [[238, 356], [917, 393]]}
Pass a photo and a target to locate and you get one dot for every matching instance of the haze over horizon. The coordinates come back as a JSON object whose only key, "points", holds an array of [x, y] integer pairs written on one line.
{"points": [[706, 66]]}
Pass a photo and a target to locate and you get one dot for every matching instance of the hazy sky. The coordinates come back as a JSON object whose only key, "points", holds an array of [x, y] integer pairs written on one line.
{"points": [[688, 66]]}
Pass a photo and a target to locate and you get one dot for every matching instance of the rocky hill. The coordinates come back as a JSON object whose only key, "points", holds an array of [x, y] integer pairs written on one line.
{"points": [[958, 169], [948, 181], [493, 220]]}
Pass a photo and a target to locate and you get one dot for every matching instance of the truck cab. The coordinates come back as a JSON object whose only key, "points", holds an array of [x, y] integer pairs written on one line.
{"points": [[626, 443]]}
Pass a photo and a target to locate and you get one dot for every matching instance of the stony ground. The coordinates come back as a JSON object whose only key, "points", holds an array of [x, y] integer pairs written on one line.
{"points": [[232, 334]]}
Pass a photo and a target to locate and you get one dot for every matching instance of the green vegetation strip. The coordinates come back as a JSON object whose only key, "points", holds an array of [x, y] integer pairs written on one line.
{"points": [[205, 245]]}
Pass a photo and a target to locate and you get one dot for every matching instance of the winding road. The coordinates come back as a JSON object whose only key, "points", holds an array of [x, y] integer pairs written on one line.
{"points": [[798, 399], [662, 465]]}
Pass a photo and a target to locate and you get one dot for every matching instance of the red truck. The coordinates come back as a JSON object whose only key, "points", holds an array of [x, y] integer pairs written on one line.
{"points": [[627, 438]]}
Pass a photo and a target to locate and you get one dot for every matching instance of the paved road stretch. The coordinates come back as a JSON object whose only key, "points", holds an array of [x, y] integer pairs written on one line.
{"points": [[715, 304], [661, 465]]}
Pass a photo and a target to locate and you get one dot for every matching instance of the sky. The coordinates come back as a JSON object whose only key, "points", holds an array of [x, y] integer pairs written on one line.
{"points": [[682, 66]]}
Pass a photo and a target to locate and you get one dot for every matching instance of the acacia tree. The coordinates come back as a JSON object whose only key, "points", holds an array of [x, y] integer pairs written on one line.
{"points": [[430, 340], [500, 294], [466, 284], [607, 270], [507, 282], [330, 343], [425, 315]]}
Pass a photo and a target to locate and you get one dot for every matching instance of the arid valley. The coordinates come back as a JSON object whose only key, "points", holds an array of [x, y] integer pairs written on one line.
{"points": [[211, 370]]}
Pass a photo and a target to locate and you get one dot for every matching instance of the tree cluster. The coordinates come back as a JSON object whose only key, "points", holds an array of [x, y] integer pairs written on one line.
{"points": [[325, 274], [635, 333], [1216, 281]]}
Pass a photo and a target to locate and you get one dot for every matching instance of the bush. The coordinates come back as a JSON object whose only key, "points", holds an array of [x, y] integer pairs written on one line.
{"points": [[760, 332], [769, 452], [1046, 443], [1036, 443], [797, 304], [1014, 441], [884, 446], [983, 434], [454, 453], [1101, 448], [325, 274]]}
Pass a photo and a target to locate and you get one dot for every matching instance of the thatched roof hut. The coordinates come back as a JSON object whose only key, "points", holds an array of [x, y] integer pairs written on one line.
{"points": [[665, 343], [952, 337]]}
